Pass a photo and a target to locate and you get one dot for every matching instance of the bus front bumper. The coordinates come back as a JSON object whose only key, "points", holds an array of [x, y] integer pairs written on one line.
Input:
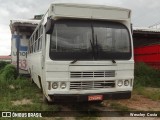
{"points": [[85, 97]]}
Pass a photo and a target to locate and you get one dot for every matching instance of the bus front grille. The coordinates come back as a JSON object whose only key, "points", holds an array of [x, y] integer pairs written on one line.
{"points": [[109, 73], [91, 85]]}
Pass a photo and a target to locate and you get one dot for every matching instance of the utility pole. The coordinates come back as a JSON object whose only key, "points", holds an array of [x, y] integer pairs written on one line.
{"points": [[17, 45], [18, 41]]}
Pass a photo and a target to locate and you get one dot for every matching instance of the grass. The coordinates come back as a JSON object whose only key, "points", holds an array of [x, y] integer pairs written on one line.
{"points": [[147, 81], [148, 92], [3, 64], [22, 89], [14, 89], [146, 76], [8, 72]]}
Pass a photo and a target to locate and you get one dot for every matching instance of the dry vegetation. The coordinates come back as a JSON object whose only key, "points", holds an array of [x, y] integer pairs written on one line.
{"points": [[18, 94]]}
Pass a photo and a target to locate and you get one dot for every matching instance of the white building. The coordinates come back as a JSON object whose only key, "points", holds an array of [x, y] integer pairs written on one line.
{"points": [[21, 31]]}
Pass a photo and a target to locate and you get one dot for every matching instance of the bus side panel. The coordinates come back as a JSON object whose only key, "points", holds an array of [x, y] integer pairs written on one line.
{"points": [[34, 65]]}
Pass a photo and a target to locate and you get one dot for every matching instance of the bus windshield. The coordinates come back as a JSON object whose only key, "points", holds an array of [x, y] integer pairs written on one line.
{"points": [[89, 40]]}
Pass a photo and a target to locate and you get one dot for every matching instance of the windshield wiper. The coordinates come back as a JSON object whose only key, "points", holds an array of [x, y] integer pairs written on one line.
{"points": [[96, 47], [93, 50], [94, 44], [113, 61], [74, 61]]}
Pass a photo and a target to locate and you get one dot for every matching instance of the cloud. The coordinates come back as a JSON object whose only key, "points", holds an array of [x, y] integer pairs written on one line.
{"points": [[5, 40], [4, 12], [144, 13], [17, 9]]}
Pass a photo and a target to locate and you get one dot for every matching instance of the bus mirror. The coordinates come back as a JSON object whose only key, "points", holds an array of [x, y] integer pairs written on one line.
{"points": [[49, 25]]}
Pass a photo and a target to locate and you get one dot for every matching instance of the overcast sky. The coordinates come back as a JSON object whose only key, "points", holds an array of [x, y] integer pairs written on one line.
{"points": [[144, 14]]}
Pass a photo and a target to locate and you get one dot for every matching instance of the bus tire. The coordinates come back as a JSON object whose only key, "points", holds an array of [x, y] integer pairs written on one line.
{"points": [[31, 81], [40, 83], [45, 100]]}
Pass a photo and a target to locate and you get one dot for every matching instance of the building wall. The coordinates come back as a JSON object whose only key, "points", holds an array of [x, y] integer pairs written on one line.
{"points": [[147, 48], [149, 54], [23, 38], [5, 58]]}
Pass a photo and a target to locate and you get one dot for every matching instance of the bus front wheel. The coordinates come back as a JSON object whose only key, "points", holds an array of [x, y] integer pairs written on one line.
{"points": [[45, 100]]}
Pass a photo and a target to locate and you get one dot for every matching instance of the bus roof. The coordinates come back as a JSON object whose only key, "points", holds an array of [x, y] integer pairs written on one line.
{"points": [[23, 25], [89, 11], [23, 21], [88, 4]]}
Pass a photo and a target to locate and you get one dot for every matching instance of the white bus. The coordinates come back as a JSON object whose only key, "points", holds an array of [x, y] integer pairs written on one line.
{"points": [[83, 52]]}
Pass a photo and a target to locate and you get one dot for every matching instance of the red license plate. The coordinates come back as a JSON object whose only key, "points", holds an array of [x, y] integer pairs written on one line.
{"points": [[95, 97]]}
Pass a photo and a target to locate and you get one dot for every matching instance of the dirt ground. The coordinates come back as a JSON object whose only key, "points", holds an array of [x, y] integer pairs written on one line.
{"points": [[136, 103], [139, 102], [22, 102], [128, 118]]}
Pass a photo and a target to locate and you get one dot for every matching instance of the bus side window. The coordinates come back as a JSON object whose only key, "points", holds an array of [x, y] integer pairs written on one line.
{"points": [[36, 35], [40, 43]]}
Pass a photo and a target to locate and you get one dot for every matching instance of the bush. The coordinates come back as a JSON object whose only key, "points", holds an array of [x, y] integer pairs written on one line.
{"points": [[146, 76], [3, 64], [9, 72]]}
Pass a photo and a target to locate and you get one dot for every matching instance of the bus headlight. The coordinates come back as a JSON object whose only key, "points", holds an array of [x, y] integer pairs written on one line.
{"points": [[63, 85], [126, 82], [120, 83], [55, 85]]}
